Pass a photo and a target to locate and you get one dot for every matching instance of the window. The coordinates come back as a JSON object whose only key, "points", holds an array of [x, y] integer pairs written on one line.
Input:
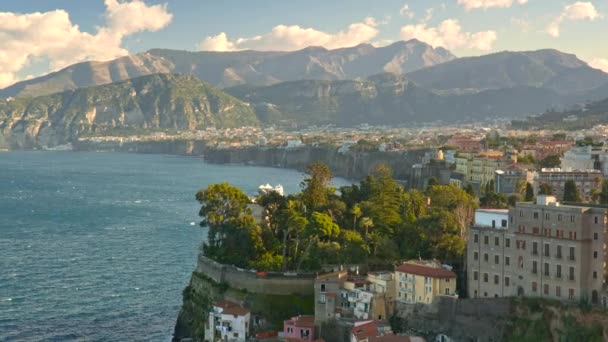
{"points": [[507, 261], [595, 236], [496, 279], [572, 219], [322, 287], [493, 224], [534, 286], [571, 294], [236, 334], [546, 249], [594, 275], [507, 281], [508, 243], [511, 219], [571, 273], [534, 267], [547, 216], [447, 291], [475, 256], [558, 291], [547, 269], [534, 248], [546, 289], [571, 253], [485, 277], [521, 213], [322, 298], [536, 215], [485, 257], [496, 259], [595, 220], [535, 230], [594, 254], [475, 275], [559, 252], [503, 223], [559, 217], [476, 238], [497, 241], [558, 271], [485, 239]]}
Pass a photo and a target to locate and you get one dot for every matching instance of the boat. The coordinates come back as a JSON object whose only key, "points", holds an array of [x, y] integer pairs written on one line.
{"points": [[267, 188]]}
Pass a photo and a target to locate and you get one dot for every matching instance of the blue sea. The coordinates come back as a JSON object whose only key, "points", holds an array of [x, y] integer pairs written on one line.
{"points": [[99, 246]]}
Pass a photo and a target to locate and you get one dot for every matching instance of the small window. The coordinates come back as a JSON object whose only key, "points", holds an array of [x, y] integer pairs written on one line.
{"points": [[534, 286], [507, 281], [322, 287], [497, 241], [546, 289], [559, 217], [496, 259], [594, 254], [594, 275], [595, 235], [485, 277], [486, 240], [476, 238], [508, 243], [558, 291], [475, 256], [503, 223], [536, 215], [475, 275], [496, 279], [485, 257]]}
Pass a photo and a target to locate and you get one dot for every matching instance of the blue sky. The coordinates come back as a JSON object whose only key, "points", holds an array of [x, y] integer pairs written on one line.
{"points": [[105, 29]]}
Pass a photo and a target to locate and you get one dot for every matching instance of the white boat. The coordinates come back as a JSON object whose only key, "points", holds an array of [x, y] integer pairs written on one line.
{"points": [[267, 188]]}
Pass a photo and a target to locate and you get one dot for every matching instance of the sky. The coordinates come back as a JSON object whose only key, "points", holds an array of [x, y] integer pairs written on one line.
{"points": [[41, 36]]}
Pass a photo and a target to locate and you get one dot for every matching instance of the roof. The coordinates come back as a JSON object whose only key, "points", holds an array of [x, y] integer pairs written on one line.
{"points": [[426, 271], [364, 331], [225, 304], [231, 308], [307, 321]]}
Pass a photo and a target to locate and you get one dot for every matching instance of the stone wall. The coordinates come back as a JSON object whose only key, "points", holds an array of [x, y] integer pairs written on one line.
{"points": [[269, 283]]}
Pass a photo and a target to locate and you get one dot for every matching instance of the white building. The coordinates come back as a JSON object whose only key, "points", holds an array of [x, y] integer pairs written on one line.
{"points": [[586, 158], [228, 322]]}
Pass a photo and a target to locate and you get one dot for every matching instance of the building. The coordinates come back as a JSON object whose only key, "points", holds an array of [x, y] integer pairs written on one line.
{"points": [[548, 250], [486, 257], [373, 331], [420, 281], [228, 321], [477, 169], [327, 289], [299, 328], [586, 181], [509, 179], [586, 158]]}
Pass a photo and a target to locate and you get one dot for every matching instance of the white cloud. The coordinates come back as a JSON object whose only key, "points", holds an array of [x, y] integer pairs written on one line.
{"points": [[406, 12], [52, 35], [599, 63], [449, 35], [577, 11], [475, 4], [294, 37]]}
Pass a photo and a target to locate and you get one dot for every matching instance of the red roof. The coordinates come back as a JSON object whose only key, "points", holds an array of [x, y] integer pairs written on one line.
{"points": [[364, 331], [303, 321], [231, 308], [426, 271], [396, 338], [225, 304]]}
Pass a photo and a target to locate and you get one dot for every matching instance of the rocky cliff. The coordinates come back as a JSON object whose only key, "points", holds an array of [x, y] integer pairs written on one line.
{"points": [[347, 165], [150, 103]]}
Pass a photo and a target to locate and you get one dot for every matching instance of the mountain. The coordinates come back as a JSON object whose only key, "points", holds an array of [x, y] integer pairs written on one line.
{"points": [[590, 115], [385, 99], [154, 102], [224, 69], [562, 73]]}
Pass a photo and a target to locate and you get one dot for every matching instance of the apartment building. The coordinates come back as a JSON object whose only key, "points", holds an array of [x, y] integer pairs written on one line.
{"points": [[327, 290], [421, 281], [547, 250], [586, 158], [586, 181], [228, 321], [477, 169]]}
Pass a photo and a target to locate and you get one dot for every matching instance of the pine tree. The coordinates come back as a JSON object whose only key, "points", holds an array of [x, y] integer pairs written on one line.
{"points": [[571, 192], [529, 193], [604, 193]]}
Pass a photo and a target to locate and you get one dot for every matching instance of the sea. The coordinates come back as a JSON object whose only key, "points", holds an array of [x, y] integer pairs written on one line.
{"points": [[99, 246]]}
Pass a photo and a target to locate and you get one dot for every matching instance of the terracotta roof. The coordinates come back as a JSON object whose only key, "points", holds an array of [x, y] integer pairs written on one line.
{"points": [[396, 338], [225, 304], [307, 321], [236, 311], [426, 271], [364, 331]]}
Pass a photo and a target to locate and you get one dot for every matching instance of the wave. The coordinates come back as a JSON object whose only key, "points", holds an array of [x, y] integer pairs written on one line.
{"points": [[6, 299]]}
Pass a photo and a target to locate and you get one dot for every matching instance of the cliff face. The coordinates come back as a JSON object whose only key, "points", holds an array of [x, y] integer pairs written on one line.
{"points": [[173, 147], [145, 104], [346, 165]]}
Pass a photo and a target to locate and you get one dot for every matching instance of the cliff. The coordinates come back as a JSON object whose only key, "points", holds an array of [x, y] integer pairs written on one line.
{"points": [[349, 165], [271, 299]]}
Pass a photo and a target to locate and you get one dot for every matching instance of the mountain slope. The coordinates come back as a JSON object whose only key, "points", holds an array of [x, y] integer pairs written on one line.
{"points": [[592, 114], [548, 69], [150, 102], [241, 67]]}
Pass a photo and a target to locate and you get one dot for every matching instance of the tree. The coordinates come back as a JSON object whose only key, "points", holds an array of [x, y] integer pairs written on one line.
{"points": [[604, 194], [356, 212], [315, 188], [529, 193], [367, 223], [385, 199], [432, 182], [571, 193], [513, 199], [469, 190], [551, 161], [545, 189], [320, 228]]}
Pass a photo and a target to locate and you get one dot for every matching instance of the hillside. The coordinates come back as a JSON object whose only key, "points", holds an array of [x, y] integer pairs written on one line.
{"points": [[595, 113], [553, 70], [225, 69], [155, 102]]}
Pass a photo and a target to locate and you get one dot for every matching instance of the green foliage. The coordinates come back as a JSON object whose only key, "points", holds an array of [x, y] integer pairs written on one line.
{"points": [[529, 193], [315, 188], [571, 193], [551, 161], [527, 159], [603, 198], [545, 189]]}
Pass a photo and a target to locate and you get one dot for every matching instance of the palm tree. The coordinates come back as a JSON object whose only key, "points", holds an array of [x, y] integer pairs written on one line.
{"points": [[356, 212], [367, 223]]}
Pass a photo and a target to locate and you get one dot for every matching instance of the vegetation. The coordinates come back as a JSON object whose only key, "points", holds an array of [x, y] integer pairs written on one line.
{"points": [[571, 193], [375, 221]]}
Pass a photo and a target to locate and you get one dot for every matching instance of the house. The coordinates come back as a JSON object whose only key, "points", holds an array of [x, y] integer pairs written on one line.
{"points": [[421, 281], [299, 328], [372, 331], [228, 321], [327, 288]]}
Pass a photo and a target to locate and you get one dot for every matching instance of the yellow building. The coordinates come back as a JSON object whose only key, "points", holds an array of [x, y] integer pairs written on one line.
{"points": [[420, 281], [480, 168]]}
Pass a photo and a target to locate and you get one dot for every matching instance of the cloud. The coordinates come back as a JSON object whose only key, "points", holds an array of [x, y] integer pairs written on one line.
{"points": [[449, 35], [294, 37], [52, 35], [406, 12], [599, 63], [476, 4], [577, 11]]}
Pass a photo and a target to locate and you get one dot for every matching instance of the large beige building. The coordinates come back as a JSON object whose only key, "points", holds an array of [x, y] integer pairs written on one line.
{"points": [[420, 281], [585, 180], [544, 249], [478, 169]]}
